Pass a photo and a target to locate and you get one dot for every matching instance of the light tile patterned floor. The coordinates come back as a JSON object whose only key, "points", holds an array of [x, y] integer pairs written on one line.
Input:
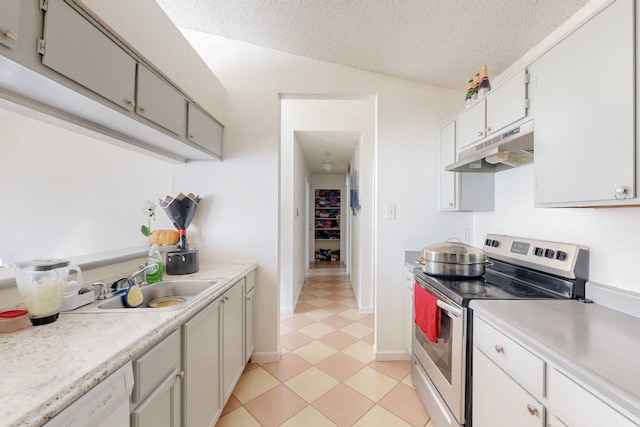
{"points": [[326, 375]]}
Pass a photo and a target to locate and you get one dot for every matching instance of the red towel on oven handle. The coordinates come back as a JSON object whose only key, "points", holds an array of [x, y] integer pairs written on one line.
{"points": [[427, 313]]}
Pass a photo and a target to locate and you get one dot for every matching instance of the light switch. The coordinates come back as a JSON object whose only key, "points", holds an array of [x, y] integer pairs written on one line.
{"points": [[391, 211]]}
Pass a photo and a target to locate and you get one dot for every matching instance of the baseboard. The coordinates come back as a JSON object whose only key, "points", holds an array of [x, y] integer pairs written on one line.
{"points": [[389, 356], [265, 356]]}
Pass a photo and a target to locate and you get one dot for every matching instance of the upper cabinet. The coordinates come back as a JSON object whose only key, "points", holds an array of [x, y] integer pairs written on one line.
{"points": [[76, 49], [582, 93], [151, 91], [160, 102], [204, 130], [10, 23], [462, 191], [502, 106]]}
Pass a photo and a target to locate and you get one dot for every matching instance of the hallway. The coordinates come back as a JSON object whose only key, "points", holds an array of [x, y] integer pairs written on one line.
{"points": [[326, 375]]}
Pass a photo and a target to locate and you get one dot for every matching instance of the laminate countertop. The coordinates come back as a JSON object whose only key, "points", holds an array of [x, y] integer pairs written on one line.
{"points": [[597, 346], [43, 369]]}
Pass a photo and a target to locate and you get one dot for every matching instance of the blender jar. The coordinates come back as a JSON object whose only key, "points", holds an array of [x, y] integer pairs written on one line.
{"points": [[42, 283]]}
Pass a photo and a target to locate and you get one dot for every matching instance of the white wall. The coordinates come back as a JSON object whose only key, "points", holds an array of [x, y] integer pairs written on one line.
{"points": [[611, 234], [66, 194], [244, 188]]}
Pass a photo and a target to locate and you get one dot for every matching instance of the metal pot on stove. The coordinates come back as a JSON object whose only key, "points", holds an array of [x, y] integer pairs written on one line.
{"points": [[453, 259]]}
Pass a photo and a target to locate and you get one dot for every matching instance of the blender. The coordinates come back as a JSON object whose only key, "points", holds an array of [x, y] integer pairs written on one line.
{"points": [[42, 283]]}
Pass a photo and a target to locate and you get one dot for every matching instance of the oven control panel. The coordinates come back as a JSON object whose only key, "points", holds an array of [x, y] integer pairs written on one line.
{"points": [[557, 258]]}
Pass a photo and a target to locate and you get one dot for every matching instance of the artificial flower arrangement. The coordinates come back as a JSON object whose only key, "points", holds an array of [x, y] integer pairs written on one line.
{"points": [[157, 237]]}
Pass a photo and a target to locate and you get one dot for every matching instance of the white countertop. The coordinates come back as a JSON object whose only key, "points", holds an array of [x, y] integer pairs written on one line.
{"points": [[43, 369], [595, 345]]}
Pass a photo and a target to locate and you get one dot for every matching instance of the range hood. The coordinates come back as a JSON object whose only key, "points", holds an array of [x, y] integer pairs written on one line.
{"points": [[509, 149]]}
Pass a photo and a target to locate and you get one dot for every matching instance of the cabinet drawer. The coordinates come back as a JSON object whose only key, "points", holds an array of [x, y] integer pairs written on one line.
{"points": [[152, 367], [578, 407], [514, 359], [162, 408]]}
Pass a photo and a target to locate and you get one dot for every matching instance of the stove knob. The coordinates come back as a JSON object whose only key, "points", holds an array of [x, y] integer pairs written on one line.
{"points": [[538, 251], [487, 242], [549, 253], [561, 256], [495, 243]]}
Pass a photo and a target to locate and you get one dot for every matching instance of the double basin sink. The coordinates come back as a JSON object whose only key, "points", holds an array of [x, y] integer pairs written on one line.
{"points": [[188, 290]]}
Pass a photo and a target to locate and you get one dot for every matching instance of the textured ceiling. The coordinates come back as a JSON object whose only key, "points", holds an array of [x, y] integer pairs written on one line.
{"points": [[440, 42]]}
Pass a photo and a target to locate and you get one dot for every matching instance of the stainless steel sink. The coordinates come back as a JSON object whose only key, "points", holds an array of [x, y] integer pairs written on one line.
{"points": [[189, 290]]}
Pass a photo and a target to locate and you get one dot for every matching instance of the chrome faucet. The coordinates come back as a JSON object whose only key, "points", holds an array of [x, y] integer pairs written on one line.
{"points": [[143, 270]]}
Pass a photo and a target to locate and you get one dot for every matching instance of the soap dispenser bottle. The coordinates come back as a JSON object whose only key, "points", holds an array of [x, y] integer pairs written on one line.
{"points": [[154, 257]]}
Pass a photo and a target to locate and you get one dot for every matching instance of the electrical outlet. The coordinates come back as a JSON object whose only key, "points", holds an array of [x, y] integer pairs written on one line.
{"points": [[201, 234]]}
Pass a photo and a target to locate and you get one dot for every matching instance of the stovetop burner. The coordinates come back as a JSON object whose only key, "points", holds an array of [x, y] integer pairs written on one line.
{"points": [[490, 286], [477, 287]]}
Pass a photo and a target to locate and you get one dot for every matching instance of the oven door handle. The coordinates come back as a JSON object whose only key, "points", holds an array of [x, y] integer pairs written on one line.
{"points": [[449, 308]]}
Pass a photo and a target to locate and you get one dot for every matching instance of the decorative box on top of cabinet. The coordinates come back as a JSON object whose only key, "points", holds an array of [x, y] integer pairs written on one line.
{"points": [[505, 104], [582, 94], [462, 191]]}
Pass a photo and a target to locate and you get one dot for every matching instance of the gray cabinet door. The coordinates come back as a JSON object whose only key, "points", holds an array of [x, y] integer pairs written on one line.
{"points": [[232, 338], [10, 22], [582, 94], [162, 408], [201, 358], [250, 324], [204, 131], [160, 102], [78, 50], [448, 184]]}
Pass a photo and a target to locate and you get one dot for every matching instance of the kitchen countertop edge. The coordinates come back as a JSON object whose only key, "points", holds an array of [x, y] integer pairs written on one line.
{"points": [[584, 367], [148, 329]]}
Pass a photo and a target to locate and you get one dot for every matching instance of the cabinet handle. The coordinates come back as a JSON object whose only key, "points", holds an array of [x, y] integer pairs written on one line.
{"points": [[142, 110], [450, 204], [180, 375], [192, 136], [480, 133], [487, 130], [131, 102], [532, 410], [499, 349], [248, 298], [10, 34]]}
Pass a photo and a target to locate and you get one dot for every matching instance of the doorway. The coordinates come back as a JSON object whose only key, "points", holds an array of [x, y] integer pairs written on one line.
{"points": [[321, 137]]}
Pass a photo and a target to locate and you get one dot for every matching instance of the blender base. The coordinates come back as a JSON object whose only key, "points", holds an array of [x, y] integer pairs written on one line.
{"points": [[37, 321]]}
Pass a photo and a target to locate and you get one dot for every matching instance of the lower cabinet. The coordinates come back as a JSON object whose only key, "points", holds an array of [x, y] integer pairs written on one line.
{"points": [[232, 337], [498, 400], [213, 353], [156, 397], [187, 378], [201, 353], [578, 407], [249, 316], [514, 386]]}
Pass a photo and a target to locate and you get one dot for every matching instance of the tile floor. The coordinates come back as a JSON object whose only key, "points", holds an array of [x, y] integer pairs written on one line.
{"points": [[326, 375]]}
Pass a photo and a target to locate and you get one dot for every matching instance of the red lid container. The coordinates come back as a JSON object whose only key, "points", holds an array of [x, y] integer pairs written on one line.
{"points": [[13, 320]]}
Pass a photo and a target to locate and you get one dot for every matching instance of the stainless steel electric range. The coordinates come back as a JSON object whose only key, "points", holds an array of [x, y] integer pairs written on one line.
{"points": [[517, 268]]}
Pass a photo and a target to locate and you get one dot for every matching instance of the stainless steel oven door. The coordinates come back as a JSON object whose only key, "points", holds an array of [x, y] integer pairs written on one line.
{"points": [[444, 361]]}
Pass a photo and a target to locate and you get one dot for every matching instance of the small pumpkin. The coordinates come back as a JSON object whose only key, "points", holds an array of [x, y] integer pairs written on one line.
{"points": [[164, 237]]}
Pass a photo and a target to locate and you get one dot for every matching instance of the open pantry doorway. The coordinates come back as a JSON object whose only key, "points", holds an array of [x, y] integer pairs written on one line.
{"points": [[328, 228]]}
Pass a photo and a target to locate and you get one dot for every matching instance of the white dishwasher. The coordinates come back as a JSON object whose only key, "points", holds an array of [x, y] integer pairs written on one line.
{"points": [[105, 405]]}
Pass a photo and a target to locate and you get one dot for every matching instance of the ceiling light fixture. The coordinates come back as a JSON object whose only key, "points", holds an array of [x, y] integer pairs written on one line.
{"points": [[328, 164]]}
